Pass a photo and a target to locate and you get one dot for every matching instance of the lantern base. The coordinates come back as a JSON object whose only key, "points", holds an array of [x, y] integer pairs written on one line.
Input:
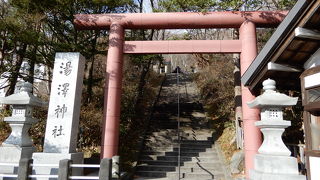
{"points": [[13, 154], [256, 175], [276, 168], [54, 158]]}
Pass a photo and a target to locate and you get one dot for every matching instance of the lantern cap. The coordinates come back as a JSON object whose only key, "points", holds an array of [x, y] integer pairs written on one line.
{"points": [[271, 98], [23, 96]]}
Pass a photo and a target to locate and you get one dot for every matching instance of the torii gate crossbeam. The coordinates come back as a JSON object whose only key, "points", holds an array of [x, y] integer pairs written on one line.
{"points": [[182, 47], [179, 20], [246, 46]]}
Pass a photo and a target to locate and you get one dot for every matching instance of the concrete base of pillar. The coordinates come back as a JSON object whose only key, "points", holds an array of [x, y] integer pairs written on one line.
{"points": [[54, 158], [13, 154], [276, 168], [256, 175]]}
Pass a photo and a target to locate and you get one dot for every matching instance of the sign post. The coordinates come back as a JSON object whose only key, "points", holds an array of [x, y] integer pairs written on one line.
{"points": [[63, 114]]}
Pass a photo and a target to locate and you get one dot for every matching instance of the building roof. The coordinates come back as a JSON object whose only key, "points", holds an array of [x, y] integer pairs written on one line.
{"points": [[287, 49]]}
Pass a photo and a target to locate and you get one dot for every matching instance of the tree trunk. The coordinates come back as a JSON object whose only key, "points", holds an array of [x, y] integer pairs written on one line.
{"points": [[32, 63], [142, 83], [91, 68], [90, 81], [16, 70], [2, 55], [49, 74]]}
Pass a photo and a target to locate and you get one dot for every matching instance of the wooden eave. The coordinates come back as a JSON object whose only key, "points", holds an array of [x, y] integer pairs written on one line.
{"points": [[291, 51]]}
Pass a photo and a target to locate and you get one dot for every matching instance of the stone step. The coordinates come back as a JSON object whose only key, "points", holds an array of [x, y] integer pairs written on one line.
{"points": [[198, 134], [150, 178], [201, 137], [184, 117], [166, 178], [163, 123], [170, 146], [183, 175], [156, 168], [174, 137], [174, 176], [162, 163], [199, 158], [183, 158], [163, 120], [194, 142], [173, 133], [197, 131], [199, 169], [205, 159], [197, 145], [164, 132], [170, 115], [182, 149], [164, 127], [172, 108], [157, 174], [191, 138], [172, 125], [189, 154], [182, 169], [203, 165]]}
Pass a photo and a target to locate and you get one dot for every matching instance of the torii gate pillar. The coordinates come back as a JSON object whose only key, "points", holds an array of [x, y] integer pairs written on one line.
{"points": [[112, 96], [252, 135]]}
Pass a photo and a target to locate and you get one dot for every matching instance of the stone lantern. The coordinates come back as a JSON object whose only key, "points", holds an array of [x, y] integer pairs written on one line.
{"points": [[274, 160], [19, 145]]}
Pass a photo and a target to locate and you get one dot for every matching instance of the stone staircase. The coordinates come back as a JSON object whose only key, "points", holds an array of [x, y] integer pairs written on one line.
{"points": [[199, 158]]}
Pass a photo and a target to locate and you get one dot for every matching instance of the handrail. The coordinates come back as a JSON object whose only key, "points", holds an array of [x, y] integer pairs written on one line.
{"points": [[44, 165], [178, 117], [9, 164], [84, 177], [54, 165], [25, 167], [43, 176], [85, 165], [9, 175], [49, 176]]}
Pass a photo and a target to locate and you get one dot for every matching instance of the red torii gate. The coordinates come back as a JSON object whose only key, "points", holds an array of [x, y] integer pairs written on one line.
{"points": [[246, 46]]}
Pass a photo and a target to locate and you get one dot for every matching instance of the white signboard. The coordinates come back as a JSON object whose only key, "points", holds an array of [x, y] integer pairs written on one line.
{"points": [[64, 107], [314, 168], [312, 80]]}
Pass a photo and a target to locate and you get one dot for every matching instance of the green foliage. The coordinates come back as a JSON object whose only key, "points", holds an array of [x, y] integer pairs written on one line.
{"points": [[215, 82], [286, 4], [216, 86], [139, 60], [34, 30], [90, 128], [37, 131], [4, 127], [294, 134], [230, 5], [135, 108], [187, 5]]}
